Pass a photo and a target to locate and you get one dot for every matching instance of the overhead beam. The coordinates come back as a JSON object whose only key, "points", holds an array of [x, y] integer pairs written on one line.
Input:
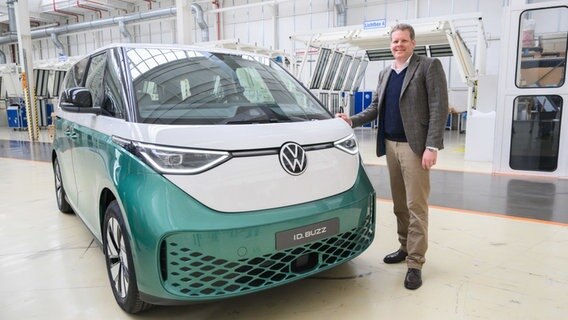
{"points": [[247, 6]]}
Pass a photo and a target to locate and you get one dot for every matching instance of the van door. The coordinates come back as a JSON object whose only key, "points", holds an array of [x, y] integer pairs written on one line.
{"points": [[66, 136], [88, 158]]}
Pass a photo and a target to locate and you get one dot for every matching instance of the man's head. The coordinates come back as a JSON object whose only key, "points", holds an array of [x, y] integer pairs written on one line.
{"points": [[402, 42]]}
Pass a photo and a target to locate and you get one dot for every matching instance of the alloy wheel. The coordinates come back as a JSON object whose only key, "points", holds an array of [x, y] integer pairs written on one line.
{"points": [[117, 255]]}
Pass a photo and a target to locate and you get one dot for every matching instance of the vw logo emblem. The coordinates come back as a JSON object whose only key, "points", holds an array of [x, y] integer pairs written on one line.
{"points": [[293, 158]]}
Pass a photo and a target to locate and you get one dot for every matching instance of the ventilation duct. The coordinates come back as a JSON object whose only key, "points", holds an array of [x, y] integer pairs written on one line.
{"points": [[58, 44], [198, 13], [96, 24], [124, 32], [341, 13], [78, 27], [11, 15]]}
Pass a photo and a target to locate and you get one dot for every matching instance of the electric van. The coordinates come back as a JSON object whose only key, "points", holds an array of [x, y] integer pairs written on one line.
{"points": [[206, 173]]}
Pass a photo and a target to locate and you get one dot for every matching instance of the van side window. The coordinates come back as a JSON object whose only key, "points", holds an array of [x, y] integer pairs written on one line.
{"points": [[76, 74], [114, 96], [94, 80]]}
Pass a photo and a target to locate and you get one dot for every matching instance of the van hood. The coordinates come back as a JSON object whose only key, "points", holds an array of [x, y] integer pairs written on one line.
{"points": [[241, 136]]}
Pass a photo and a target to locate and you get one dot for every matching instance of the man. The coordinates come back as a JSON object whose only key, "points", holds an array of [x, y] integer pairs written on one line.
{"points": [[411, 106]]}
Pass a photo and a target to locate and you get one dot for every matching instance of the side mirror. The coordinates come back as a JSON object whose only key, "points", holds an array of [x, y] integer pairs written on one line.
{"points": [[77, 100]]}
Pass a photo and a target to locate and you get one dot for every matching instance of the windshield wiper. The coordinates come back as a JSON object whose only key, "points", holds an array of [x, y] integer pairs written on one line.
{"points": [[256, 120]]}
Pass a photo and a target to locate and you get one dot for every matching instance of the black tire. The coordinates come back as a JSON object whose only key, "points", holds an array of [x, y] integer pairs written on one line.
{"points": [[118, 256], [60, 194]]}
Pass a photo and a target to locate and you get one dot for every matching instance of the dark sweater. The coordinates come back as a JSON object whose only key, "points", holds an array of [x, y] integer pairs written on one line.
{"points": [[394, 129]]}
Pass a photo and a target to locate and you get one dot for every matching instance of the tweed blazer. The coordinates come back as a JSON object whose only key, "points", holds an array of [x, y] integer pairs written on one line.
{"points": [[423, 105]]}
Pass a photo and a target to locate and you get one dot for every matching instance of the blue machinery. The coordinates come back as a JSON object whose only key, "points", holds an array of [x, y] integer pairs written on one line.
{"points": [[47, 84]]}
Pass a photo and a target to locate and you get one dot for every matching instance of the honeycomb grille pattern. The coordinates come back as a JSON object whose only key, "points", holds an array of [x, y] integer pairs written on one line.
{"points": [[195, 274]]}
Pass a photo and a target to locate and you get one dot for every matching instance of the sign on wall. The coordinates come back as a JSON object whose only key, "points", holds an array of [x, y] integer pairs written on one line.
{"points": [[374, 24]]}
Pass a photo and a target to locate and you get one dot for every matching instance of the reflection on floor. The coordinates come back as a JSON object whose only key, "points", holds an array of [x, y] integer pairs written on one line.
{"points": [[25, 150], [458, 184], [540, 199], [479, 266], [16, 144]]}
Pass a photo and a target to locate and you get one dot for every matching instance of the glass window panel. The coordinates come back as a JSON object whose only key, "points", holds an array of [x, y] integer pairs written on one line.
{"points": [[114, 95], [76, 74], [319, 70], [331, 70], [536, 133], [541, 61], [94, 79]]}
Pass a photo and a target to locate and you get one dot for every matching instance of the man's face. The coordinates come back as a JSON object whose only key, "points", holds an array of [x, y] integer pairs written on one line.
{"points": [[401, 45]]}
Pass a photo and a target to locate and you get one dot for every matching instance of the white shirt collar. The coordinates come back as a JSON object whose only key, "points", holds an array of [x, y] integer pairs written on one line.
{"points": [[404, 66]]}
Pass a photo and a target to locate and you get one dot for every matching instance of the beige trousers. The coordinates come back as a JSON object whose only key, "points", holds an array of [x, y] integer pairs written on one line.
{"points": [[410, 188]]}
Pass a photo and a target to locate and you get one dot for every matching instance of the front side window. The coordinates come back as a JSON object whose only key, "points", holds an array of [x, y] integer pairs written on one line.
{"points": [[197, 87], [113, 84], [76, 74], [541, 61], [535, 136], [94, 81]]}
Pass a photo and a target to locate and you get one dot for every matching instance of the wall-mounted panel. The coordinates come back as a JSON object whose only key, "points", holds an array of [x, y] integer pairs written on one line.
{"points": [[331, 70], [320, 68], [341, 75]]}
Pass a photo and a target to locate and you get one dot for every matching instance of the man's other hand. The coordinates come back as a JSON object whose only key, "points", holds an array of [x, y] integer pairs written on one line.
{"points": [[345, 117]]}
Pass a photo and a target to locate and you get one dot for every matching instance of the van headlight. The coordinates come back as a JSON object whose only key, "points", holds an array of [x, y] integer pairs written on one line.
{"points": [[175, 160], [347, 144]]}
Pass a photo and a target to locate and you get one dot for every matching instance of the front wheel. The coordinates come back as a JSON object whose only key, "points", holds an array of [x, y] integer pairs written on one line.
{"points": [[120, 267], [60, 194]]}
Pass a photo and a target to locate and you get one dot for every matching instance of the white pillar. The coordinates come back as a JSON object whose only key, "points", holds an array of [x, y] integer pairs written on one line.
{"points": [[480, 49], [184, 22], [276, 33], [26, 63], [517, 2]]}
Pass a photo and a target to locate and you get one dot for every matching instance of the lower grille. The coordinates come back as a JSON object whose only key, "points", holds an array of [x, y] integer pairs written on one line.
{"points": [[196, 274]]}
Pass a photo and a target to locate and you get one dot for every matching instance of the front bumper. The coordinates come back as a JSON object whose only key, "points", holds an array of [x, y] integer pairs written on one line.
{"points": [[184, 251], [190, 272]]}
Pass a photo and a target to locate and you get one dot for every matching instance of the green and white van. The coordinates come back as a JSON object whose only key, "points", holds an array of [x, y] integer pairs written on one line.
{"points": [[206, 174]]}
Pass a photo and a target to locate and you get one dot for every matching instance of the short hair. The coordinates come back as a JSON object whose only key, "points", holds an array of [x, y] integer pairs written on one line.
{"points": [[403, 27]]}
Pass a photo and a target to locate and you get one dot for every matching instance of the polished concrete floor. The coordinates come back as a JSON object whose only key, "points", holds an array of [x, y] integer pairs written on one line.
{"points": [[498, 250]]}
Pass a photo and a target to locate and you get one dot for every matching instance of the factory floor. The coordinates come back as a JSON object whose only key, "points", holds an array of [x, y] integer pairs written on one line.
{"points": [[497, 250]]}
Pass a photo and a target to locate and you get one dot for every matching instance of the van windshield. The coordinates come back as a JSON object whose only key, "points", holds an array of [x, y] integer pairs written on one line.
{"points": [[175, 86]]}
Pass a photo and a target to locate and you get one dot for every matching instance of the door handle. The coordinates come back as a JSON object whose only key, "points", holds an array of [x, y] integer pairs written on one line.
{"points": [[70, 133]]}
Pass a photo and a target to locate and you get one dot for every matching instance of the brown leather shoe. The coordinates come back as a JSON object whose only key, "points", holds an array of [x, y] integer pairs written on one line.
{"points": [[395, 257], [413, 279]]}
